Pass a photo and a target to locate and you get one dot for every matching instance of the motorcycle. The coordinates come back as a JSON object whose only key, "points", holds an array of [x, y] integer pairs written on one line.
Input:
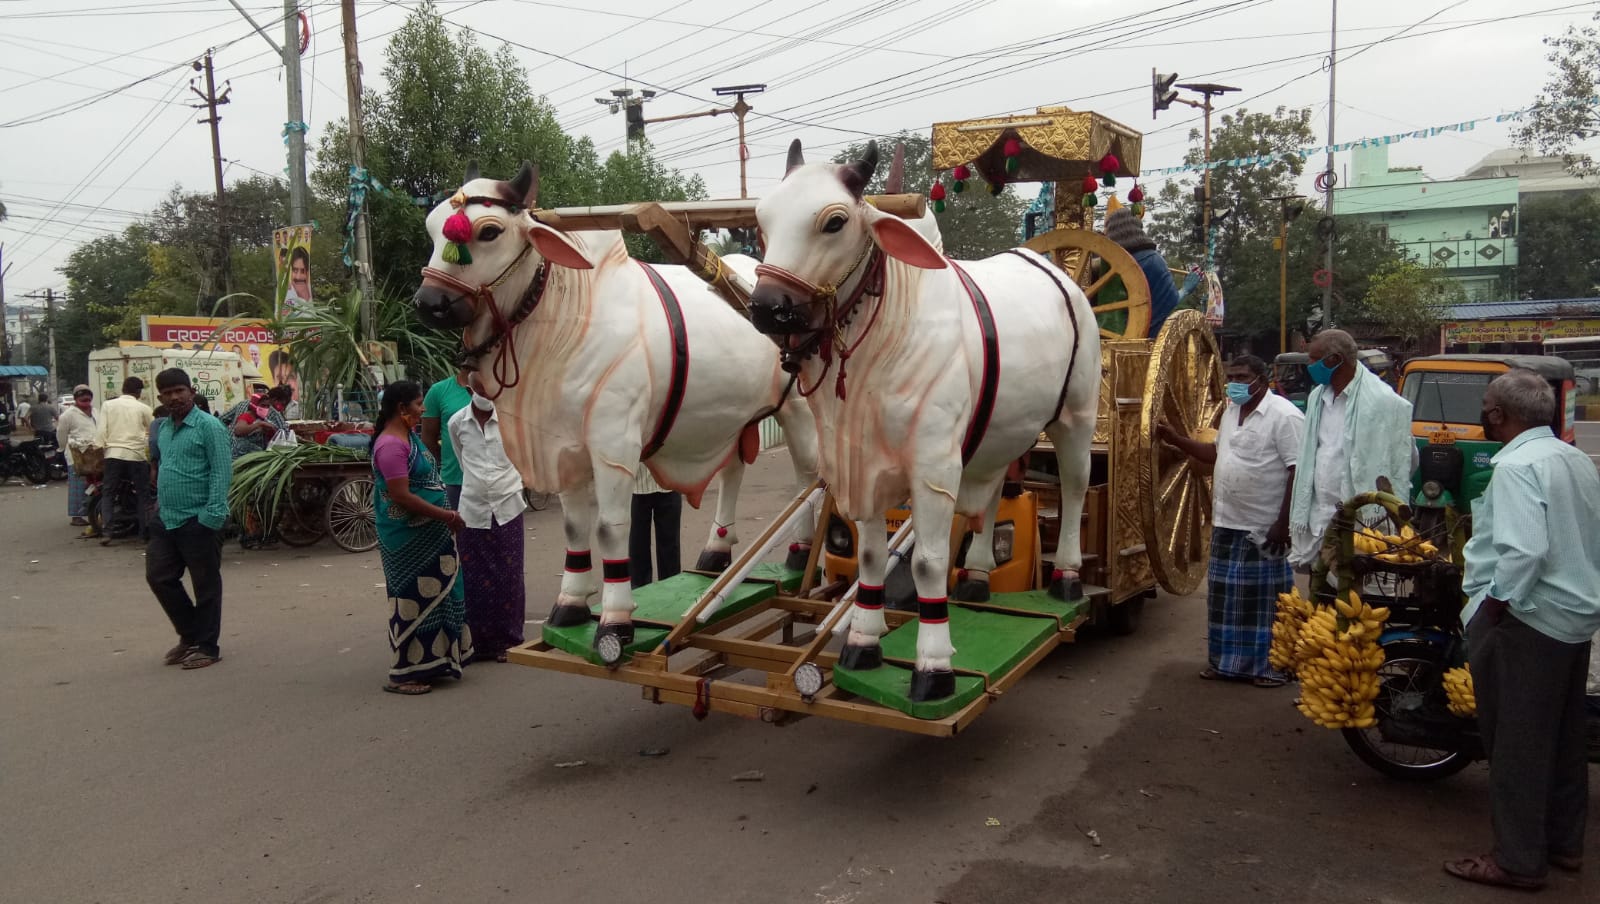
{"points": [[1416, 737], [125, 515], [28, 459]]}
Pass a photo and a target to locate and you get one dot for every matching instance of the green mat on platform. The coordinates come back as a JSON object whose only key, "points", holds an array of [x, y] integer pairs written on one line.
{"points": [[663, 604], [993, 643]]}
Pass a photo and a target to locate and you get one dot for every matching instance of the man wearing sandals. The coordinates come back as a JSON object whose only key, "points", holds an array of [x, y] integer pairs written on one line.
{"points": [[1532, 584], [1254, 458], [192, 495]]}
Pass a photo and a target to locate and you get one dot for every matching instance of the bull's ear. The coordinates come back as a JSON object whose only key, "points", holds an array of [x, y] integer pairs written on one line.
{"points": [[557, 248], [905, 244]]}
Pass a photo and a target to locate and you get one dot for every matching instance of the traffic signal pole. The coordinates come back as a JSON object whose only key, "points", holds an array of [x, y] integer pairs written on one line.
{"points": [[1162, 97]]}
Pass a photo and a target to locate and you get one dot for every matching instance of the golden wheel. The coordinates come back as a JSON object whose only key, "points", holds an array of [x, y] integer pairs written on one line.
{"points": [[1184, 389], [1094, 262]]}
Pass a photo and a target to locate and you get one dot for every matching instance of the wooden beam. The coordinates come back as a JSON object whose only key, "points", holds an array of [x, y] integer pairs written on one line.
{"points": [[694, 215]]}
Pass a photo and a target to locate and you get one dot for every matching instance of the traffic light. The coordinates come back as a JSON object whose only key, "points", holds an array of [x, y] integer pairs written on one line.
{"points": [[635, 111], [1162, 94]]}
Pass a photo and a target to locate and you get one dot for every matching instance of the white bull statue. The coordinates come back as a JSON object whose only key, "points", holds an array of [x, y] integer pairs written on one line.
{"points": [[928, 378], [601, 365]]}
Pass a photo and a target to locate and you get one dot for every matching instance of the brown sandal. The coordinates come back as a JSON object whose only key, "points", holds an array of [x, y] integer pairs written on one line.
{"points": [[198, 660], [1483, 870], [178, 653], [409, 689]]}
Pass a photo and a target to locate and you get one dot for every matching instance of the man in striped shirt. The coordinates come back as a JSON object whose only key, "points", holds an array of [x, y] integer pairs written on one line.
{"points": [[192, 495]]}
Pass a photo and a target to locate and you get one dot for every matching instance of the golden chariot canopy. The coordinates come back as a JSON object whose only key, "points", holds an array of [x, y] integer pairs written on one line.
{"points": [[1058, 145]]}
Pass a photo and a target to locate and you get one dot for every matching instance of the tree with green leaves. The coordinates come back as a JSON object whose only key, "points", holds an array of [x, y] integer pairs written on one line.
{"points": [[1409, 300], [448, 101], [1563, 113], [974, 224], [1246, 260], [1558, 247]]}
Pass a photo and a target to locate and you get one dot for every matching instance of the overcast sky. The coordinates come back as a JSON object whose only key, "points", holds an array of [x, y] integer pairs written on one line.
{"points": [[92, 160]]}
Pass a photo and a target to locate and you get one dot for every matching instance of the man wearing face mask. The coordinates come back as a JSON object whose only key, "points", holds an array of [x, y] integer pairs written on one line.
{"points": [[1254, 457], [491, 541], [1358, 430], [1532, 583]]}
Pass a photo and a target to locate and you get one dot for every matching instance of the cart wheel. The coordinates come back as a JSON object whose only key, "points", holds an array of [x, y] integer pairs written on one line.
{"points": [[350, 515], [1075, 251], [298, 524], [1183, 388]]}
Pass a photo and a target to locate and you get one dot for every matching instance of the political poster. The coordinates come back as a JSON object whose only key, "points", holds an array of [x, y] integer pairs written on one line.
{"points": [[291, 256]]}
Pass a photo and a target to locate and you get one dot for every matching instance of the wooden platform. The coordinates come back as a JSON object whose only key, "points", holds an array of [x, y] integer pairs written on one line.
{"points": [[743, 661]]}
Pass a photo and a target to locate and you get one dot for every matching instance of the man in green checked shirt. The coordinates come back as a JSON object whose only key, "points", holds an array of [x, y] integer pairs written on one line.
{"points": [[196, 467]]}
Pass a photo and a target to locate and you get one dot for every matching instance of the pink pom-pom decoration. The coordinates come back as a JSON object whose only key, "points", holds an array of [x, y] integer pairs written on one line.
{"points": [[1090, 186], [458, 228], [1013, 147], [1110, 164], [937, 192], [961, 172], [1135, 194]]}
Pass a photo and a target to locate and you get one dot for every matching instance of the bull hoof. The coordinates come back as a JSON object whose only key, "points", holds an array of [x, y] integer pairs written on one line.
{"points": [[568, 615], [623, 631], [971, 591], [931, 685], [799, 558], [1066, 587], [714, 561], [860, 658]]}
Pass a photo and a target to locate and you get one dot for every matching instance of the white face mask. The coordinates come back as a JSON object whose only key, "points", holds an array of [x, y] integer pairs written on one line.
{"points": [[481, 403]]}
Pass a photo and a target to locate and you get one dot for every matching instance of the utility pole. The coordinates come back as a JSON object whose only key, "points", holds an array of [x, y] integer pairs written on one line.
{"points": [[358, 159], [1329, 178], [1162, 97], [211, 103], [5, 342], [1288, 211], [294, 130], [49, 297], [740, 108]]}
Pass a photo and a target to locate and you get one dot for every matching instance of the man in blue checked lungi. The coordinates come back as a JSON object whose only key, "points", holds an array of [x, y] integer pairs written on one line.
{"points": [[1253, 458]]}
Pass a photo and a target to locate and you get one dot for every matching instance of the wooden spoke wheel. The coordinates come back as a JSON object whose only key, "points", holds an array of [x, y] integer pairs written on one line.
{"points": [[350, 515], [1183, 389], [1099, 266]]}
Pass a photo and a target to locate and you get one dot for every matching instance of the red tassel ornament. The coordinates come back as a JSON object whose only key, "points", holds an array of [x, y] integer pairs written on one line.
{"points": [[1135, 194]]}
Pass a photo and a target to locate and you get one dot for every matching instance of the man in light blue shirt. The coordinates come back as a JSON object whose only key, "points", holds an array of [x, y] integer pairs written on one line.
{"points": [[1533, 588]]}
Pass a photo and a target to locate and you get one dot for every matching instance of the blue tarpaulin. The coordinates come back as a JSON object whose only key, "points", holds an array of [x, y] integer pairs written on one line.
{"points": [[22, 370]]}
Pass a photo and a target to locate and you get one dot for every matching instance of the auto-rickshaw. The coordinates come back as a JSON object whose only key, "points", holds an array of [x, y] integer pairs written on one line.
{"points": [[1291, 380], [1446, 396]]}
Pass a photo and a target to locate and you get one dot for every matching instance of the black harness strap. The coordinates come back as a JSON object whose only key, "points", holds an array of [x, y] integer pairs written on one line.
{"points": [[680, 361], [1072, 360], [983, 410]]}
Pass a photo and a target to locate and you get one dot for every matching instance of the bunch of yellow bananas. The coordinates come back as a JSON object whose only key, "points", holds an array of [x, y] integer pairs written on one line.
{"points": [[1336, 659], [1293, 610], [1404, 548], [1458, 690]]}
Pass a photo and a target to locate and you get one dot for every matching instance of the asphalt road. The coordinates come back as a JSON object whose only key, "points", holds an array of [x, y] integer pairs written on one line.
{"points": [[284, 775]]}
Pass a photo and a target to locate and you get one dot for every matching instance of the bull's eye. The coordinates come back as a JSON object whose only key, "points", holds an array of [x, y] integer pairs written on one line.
{"points": [[834, 224], [489, 233]]}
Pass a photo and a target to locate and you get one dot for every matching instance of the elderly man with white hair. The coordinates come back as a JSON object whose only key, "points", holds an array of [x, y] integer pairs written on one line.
{"points": [[1358, 430], [1532, 584]]}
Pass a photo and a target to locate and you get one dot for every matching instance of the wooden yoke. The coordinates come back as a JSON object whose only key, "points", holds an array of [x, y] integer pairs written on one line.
{"points": [[681, 246]]}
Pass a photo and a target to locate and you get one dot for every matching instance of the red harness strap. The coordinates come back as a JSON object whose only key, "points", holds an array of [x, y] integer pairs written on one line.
{"points": [[680, 361], [983, 409]]}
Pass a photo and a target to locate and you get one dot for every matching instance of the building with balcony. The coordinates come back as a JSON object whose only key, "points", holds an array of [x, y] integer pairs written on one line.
{"points": [[1467, 227]]}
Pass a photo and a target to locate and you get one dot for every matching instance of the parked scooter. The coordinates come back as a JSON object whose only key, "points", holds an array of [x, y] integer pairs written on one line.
{"points": [[28, 460]]}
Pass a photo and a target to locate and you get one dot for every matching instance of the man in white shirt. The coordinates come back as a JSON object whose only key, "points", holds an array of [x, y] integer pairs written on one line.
{"points": [[491, 542], [124, 432], [1257, 448]]}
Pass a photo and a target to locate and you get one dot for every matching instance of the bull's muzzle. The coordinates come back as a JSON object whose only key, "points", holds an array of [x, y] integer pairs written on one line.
{"points": [[774, 311], [442, 309]]}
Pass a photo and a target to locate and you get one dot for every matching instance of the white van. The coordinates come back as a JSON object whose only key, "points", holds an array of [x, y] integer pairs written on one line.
{"points": [[219, 376]]}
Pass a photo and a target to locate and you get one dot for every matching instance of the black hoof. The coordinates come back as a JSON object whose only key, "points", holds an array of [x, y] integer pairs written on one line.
{"points": [[713, 561], [623, 631], [1067, 589], [567, 616], [799, 558], [860, 658], [970, 591], [927, 686]]}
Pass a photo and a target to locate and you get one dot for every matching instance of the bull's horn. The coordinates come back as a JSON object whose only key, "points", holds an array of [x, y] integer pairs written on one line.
{"points": [[524, 188], [856, 175], [472, 171], [895, 183], [796, 158]]}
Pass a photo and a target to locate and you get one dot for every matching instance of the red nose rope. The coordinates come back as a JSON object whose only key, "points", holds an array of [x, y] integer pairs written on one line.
{"points": [[836, 317], [505, 368]]}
